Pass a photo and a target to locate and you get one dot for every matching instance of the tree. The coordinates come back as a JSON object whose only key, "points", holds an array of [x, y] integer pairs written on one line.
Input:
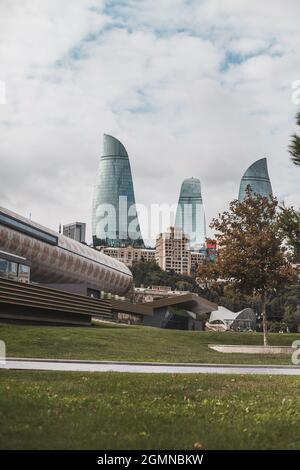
{"points": [[286, 300], [294, 147], [289, 223], [250, 256], [292, 318], [148, 273]]}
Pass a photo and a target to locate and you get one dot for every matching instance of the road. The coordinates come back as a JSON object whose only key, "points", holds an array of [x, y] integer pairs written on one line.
{"points": [[147, 367]]}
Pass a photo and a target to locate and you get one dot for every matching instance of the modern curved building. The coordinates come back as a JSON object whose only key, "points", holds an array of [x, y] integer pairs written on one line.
{"points": [[114, 217], [56, 259], [190, 214], [257, 177], [223, 319]]}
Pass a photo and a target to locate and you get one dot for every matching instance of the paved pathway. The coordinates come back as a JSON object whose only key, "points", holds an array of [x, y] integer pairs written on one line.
{"points": [[147, 367]]}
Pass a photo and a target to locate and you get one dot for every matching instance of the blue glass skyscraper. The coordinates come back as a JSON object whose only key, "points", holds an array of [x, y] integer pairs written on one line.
{"points": [[114, 217], [190, 215], [257, 177]]}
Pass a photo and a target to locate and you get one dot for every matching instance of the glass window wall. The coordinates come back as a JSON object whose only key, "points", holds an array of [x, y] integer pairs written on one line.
{"points": [[14, 271], [24, 273]]}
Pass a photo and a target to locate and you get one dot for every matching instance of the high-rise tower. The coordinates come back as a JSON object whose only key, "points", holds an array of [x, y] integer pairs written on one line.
{"points": [[190, 215], [257, 177], [114, 218]]}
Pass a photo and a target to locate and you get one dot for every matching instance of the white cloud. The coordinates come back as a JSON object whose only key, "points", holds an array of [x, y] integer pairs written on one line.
{"points": [[198, 88]]}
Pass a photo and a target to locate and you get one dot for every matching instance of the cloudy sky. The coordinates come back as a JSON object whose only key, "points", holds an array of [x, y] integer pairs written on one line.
{"points": [[191, 87]]}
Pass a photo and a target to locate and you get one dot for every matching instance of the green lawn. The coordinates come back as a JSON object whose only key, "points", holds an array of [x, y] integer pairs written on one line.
{"points": [[134, 343], [63, 410]]}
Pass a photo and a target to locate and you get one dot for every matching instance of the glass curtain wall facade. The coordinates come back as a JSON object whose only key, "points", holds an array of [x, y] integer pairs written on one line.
{"points": [[257, 177], [114, 216], [190, 214]]}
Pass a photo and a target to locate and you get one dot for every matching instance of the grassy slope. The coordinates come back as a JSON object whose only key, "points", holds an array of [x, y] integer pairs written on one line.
{"points": [[135, 343], [56, 410]]}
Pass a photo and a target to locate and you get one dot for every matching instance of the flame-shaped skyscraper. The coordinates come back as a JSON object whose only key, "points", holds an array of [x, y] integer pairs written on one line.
{"points": [[190, 214], [114, 218], [257, 177]]}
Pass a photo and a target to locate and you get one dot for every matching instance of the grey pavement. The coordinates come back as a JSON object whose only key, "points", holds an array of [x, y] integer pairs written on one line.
{"points": [[150, 367]]}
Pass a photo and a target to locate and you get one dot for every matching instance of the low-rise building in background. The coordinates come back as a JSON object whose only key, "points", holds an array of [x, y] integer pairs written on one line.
{"points": [[76, 231], [148, 294], [128, 254]]}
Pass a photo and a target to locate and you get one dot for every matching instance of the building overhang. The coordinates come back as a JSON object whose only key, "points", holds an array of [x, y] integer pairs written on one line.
{"points": [[191, 302]]}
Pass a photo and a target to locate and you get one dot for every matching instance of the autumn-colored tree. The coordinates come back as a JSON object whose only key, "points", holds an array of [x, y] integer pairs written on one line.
{"points": [[294, 147], [251, 255]]}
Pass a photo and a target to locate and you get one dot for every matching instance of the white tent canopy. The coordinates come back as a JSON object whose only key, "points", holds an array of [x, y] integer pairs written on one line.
{"points": [[228, 318]]}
